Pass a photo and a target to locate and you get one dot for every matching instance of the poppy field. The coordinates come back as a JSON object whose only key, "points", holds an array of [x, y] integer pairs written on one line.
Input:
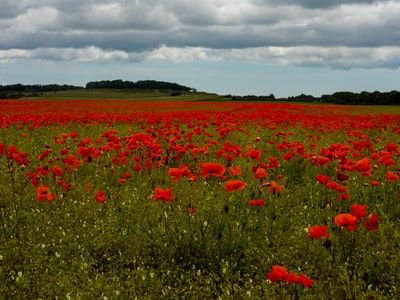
{"points": [[123, 199]]}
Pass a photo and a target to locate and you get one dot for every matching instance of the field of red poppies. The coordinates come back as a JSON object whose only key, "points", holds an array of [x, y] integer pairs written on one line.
{"points": [[162, 200]]}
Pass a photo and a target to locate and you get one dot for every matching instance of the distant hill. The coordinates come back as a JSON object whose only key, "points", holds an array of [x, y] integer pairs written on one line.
{"points": [[139, 85], [119, 86], [15, 91]]}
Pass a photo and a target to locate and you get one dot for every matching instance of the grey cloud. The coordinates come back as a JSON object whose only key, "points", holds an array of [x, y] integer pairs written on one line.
{"points": [[316, 4], [139, 27], [9, 9]]}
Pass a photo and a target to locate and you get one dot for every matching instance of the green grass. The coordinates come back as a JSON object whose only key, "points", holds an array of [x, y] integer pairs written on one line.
{"points": [[92, 94]]}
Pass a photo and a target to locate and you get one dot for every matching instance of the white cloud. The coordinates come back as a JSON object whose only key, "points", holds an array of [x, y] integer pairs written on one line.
{"points": [[310, 56], [34, 20]]}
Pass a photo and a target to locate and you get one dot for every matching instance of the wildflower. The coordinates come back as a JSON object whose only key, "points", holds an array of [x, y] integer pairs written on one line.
{"points": [[176, 173], [363, 165], [258, 202], [127, 175], [333, 185], [260, 173], [288, 156], [278, 273], [101, 196], [346, 220], [214, 169], [58, 170], [2, 148], [273, 162], [391, 176], [344, 196], [307, 282], [359, 211], [235, 170], [43, 193], [317, 232], [323, 179], [164, 195], [276, 188], [254, 154], [66, 186], [342, 177], [375, 183], [235, 185], [372, 222], [291, 278]]}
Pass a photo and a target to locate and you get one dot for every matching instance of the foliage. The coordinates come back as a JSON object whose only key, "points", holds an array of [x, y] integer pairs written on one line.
{"points": [[142, 85], [130, 199]]}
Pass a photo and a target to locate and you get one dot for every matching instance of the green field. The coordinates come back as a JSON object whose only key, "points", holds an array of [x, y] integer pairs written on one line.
{"points": [[126, 94]]}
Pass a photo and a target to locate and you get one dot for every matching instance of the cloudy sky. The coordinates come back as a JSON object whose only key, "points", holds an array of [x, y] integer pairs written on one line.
{"points": [[241, 47]]}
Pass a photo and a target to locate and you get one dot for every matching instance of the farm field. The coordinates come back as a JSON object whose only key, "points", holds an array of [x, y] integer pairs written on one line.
{"points": [[125, 199]]}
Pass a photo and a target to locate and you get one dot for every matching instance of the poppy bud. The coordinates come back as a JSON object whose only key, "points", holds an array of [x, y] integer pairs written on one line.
{"points": [[226, 209]]}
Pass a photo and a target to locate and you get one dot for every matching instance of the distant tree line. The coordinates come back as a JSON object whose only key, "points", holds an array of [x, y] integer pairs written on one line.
{"points": [[15, 91], [139, 85], [350, 98], [254, 98]]}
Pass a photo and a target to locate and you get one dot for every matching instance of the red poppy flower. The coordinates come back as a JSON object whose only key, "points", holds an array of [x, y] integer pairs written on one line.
{"points": [[391, 147], [288, 156], [346, 220], [273, 162], [235, 185], [359, 211], [235, 170], [164, 195], [58, 170], [375, 183], [258, 202], [363, 165], [342, 177], [278, 273], [307, 282], [344, 196], [101, 196], [391, 176], [291, 278], [66, 186], [317, 232], [254, 154], [2, 148], [372, 222], [214, 169], [276, 188], [333, 185], [176, 173], [260, 173], [323, 179], [43, 193]]}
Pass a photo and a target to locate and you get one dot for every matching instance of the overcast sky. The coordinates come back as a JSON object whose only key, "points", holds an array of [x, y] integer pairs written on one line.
{"points": [[241, 47]]}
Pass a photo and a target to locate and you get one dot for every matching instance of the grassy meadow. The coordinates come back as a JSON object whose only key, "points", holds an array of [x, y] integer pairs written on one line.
{"points": [[126, 94], [147, 199]]}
